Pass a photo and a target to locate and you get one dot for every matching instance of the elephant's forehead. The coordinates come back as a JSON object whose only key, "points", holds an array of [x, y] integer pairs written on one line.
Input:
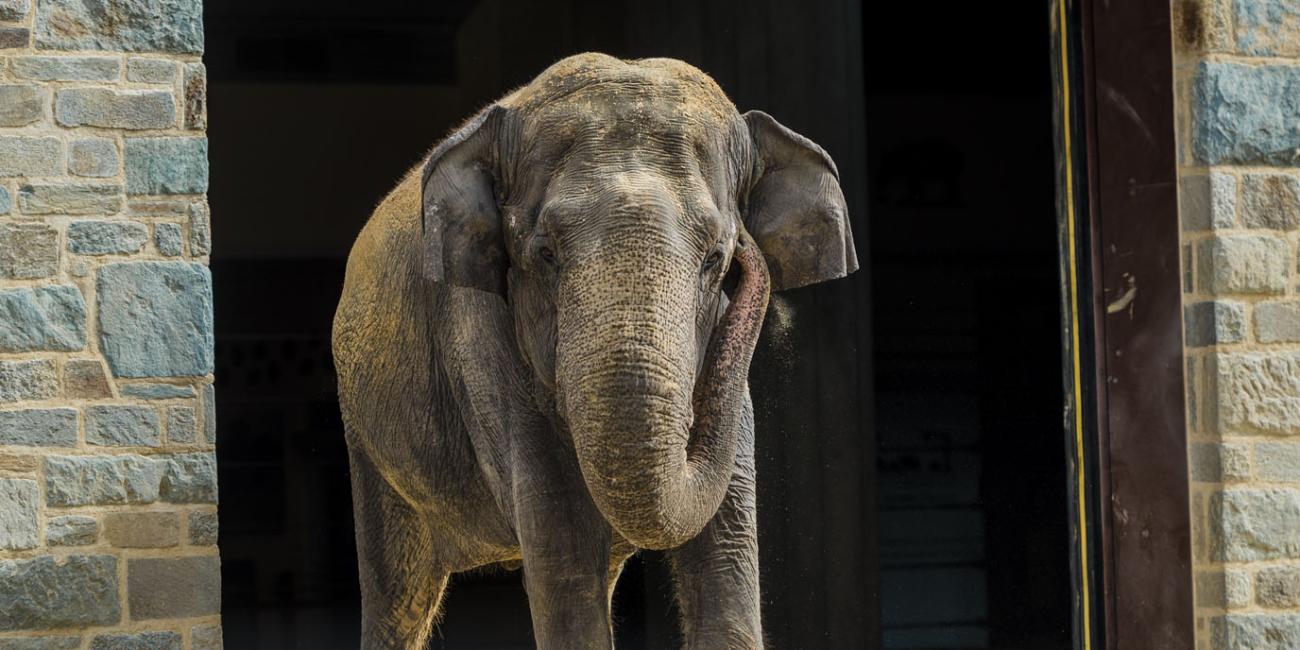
{"points": [[631, 113], [593, 81], [592, 125]]}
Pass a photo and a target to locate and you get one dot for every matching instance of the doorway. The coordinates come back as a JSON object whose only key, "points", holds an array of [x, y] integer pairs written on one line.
{"points": [[973, 520], [912, 474]]}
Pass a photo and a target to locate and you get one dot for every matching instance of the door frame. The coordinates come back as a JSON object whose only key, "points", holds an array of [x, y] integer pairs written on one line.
{"points": [[1122, 323]]}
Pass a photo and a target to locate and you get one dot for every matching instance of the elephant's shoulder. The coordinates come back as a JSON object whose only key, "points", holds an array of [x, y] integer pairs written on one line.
{"points": [[383, 266], [398, 214], [392, 233]]}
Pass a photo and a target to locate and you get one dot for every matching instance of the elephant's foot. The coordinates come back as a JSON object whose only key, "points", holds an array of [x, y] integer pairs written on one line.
{"points": [[566, 548], [569, 587], [745, 634], [716, 574], [400, 620], [401, 579]]}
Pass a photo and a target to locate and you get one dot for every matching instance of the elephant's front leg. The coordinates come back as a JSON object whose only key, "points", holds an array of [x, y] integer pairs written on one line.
{"points": [[716, 573], [566, 556]]}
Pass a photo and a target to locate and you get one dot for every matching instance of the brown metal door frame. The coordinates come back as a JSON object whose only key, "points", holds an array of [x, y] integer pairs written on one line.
{"points": [[1122, 308]]}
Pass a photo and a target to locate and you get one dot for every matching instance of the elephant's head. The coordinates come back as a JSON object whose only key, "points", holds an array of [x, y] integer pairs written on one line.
{"points": [[608, 200]]}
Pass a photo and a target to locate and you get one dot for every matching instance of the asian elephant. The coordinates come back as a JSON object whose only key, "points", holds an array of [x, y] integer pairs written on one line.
{"points": [[543, 345]]}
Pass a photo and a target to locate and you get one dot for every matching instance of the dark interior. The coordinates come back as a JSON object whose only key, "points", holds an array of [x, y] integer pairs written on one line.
{"points": [[911, 457]]}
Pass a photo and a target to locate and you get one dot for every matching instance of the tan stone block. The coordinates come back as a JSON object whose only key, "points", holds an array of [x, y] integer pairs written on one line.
{"points": [[19, 464], [1257, 394], [1209, 589], [1202, 25], [142, 529], [1236, 588], [178, 587], [1278, 587], [85, 379]]}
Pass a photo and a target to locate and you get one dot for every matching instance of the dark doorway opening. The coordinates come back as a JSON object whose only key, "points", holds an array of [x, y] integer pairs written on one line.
{"points": [[973, 520], [936, 521]]}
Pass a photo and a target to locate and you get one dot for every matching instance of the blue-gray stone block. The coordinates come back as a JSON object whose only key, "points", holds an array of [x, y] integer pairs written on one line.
{"points": [[1278, 461], [1207, 202], [141, 641], [1246, 114], [115, 109], [107, 237], [41, 427], [200, 229], [22, 155], [71, 530], [1266, 27], [1255, 632], [42, 318], [19, 501], [6, 201], [210, 414], [41, 643], [1243, 264], [182, 424], [169, 239], [1277, 322], [156, 391], [102, 480], [123, 426], [121, 25], [155, 318], [13, 10], [1213, 322], [21, 104], [66, 68], [45, 593], [1255, 524], [203, 528], [170, 165], [69, 199], [190, 478], [151, 71]]}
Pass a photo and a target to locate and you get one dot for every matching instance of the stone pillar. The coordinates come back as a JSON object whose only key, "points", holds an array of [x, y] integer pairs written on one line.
{"points": [[1238, 102], [108, 493]]}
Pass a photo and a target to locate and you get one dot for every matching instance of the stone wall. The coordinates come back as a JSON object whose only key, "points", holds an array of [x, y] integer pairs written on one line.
{"points": [[108, 494], [1238, 97]]}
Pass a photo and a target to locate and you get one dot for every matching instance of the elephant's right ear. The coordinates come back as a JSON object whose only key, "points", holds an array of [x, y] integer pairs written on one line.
{"points": [[796, 210], [463, 242]]}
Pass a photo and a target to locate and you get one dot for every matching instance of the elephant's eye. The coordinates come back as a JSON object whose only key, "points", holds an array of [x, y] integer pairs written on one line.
{"points": [[546, 254], [711, 262]]}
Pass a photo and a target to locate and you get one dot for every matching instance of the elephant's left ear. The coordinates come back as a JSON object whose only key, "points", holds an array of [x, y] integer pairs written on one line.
{"points": [[463, 244], [795, 209]]}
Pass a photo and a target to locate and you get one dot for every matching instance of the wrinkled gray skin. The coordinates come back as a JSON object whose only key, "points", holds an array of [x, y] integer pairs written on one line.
{"points": [[542, 359]]}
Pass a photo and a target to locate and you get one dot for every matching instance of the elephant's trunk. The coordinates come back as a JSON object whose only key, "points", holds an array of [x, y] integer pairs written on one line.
{"points": [[656, 459]]}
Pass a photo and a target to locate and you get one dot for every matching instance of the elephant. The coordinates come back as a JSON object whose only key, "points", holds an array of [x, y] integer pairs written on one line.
{"points": [[543, 347]]}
